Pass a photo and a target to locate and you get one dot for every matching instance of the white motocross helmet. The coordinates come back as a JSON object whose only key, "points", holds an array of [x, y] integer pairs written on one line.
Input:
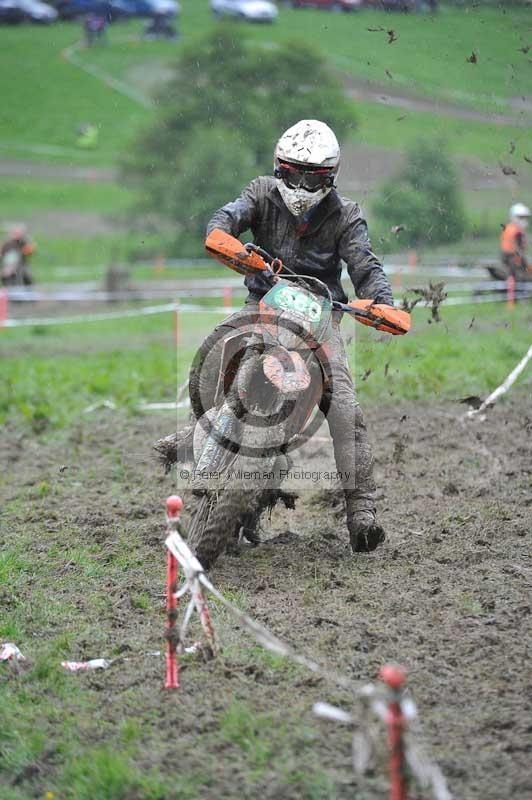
{"points": [[306, 161], [520, 214]]}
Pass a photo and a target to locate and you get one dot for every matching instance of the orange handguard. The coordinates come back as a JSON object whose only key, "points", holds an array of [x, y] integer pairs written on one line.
{"points": [[231, 252], [382, 317]]}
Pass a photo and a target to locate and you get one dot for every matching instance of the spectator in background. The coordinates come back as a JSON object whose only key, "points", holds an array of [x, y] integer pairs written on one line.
{"points": [[14, 256], [160, 27], [95, 27], [514, 240]]}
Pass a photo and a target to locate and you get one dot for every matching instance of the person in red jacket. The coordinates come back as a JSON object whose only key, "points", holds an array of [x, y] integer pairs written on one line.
{"points": [[514, 241], [14, 255]]}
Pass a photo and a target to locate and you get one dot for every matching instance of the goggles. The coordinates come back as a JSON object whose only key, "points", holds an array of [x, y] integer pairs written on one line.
{"points": [[295, 176]]}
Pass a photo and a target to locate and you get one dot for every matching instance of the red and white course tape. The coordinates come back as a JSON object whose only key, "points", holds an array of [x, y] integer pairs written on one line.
{"points": [[392, 708]]}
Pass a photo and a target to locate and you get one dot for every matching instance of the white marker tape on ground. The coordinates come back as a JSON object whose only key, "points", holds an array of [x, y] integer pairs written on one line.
{"points": [[368, 695], [164, 406], [503, 388], [70, 55]]}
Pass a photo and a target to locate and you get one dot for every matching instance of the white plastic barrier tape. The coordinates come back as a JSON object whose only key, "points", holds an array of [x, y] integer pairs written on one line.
{"points": [[131, 312], [194, 571], [10, 652], [89, 293], [369, 696], [164, 406], [194, 308], [503, 388], [92, 295], [490, 298], [373, 699]]}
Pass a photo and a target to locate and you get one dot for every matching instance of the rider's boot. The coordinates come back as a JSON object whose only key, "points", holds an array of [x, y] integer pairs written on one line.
{"points": [[354, 459], [176, 448], [365, 534]]}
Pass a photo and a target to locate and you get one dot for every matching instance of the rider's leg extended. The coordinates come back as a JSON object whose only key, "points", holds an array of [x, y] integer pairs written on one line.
{"points": [[352, 451]]}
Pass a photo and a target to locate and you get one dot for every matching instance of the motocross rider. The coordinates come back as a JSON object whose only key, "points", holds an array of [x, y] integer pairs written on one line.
{"points": [[513, 240], [299, 217]]}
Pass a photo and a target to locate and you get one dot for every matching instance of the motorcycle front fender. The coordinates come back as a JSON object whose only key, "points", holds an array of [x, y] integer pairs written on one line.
{"points": [[287, 371]]}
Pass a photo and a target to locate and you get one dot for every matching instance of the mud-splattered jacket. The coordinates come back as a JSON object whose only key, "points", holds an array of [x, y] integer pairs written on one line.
{"points": [[335, 232]]}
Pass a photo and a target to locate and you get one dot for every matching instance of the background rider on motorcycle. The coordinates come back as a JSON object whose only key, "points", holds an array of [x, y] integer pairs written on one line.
{"points": [[298, 216], [513, 240]]}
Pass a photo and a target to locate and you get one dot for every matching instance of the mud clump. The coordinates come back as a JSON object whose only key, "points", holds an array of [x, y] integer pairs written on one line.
{"points": [[433, 295], [451, 489]]}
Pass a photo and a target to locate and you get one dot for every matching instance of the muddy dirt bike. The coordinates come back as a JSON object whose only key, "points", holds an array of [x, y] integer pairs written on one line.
{"points": [[274, 374]]}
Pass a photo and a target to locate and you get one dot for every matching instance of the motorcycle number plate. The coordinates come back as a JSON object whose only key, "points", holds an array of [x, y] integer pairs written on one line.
{"points": [[289, 298]]}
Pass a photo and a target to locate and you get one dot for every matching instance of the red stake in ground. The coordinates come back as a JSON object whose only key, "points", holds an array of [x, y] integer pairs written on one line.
{"points": [[174, 505], [395, 677]]}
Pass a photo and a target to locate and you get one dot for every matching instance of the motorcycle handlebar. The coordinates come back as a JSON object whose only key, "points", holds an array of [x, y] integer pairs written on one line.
{"points": [[251, 258], [378, 315], [262, 253]]}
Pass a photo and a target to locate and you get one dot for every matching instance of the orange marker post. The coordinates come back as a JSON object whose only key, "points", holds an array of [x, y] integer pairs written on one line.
{"points": [[510, 291], [394, 677], [174, 504], [172, 664]]}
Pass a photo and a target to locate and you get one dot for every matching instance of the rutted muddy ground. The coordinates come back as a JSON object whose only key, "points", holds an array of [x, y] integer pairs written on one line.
{"points": [[448, 595]]}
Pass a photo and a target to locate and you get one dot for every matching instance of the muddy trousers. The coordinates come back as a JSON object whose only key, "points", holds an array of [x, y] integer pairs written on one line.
{"points": [[352, 450], [516, 264]]}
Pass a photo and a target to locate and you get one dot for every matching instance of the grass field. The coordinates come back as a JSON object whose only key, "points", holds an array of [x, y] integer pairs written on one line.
{"points": [[81, 497], [17, 195], [50, 374], [54, 107], [428, 57], [82, 575]]}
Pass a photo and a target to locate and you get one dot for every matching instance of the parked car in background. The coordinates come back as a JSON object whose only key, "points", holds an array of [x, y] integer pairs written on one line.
{"points": [[117, 9], [74, 9], [329, 5], [36, 11], [10, 13], [152, 8], [249, 10], [16, 11]]}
